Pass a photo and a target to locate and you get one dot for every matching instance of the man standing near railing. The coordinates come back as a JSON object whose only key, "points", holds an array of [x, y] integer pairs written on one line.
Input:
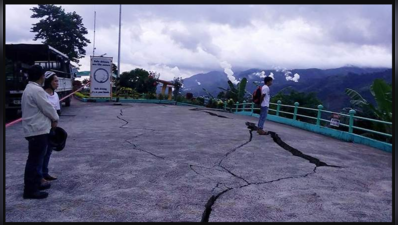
{"points": [[265, 99]]}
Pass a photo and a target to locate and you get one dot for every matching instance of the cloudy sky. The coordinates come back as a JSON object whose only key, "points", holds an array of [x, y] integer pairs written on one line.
{"points": [[182, 40]]}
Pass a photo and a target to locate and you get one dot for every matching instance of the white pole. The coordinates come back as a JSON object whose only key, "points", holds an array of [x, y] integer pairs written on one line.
{"points": [[120, 25], [94, 34]]}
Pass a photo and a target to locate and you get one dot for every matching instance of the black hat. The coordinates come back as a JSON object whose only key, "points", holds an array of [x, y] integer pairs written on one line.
{"points": [[58, 138]]}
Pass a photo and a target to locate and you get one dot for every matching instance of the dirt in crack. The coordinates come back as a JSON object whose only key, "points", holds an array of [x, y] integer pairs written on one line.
{"points": [[295, 152]]}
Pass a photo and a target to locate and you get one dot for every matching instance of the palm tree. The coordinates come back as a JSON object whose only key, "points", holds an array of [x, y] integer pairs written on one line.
{"points": [[382, 92]]}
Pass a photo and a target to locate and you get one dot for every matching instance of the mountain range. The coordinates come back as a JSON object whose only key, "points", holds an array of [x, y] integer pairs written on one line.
{"points": [[328, 84]]}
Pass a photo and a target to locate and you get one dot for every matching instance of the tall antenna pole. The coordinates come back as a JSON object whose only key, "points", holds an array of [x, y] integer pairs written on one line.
{"points": [[120, 25], [95, 16]]}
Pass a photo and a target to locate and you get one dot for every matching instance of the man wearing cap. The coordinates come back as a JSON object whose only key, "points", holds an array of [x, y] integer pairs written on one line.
{"points": [[38, 117]]}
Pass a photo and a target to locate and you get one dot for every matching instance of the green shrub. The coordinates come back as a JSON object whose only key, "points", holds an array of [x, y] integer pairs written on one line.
{"points": [[80, 95], [151, 95], [220, 104], [200, 100]]}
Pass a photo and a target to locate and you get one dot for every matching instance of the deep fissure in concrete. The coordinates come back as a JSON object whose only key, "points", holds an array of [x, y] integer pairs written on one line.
{"points": [[213, 114], [208, 207], [298, 153], [252, 127], [295, 152], [210, 203], [210, 113]]}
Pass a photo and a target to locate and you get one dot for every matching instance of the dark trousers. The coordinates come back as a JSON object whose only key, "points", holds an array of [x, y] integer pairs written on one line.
{"points": [[46, 160], [37, 150]]}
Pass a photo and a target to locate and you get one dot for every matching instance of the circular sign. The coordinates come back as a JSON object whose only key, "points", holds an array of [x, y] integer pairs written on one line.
{"points": [[101, 75]]}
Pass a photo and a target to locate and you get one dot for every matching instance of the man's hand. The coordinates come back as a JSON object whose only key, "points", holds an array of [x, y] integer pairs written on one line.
{"points": [[54, 124]]}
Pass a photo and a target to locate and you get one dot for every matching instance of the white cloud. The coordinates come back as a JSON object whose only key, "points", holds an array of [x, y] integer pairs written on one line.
{"points": [[170, 40], [272, 76]]}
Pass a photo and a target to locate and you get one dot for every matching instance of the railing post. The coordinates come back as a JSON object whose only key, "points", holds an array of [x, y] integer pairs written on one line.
{"points": [[318, 119], [237, 103], [243, 106], [351, 127], [278, 107], [296, 104], [252, 109]]}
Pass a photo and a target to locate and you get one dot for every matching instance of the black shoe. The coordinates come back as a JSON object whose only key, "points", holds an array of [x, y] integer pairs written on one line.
{"points": [[48, 177], [44, 186], [35, 195]]}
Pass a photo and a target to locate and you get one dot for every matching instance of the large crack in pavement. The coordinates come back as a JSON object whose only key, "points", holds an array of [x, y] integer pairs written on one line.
{"points": [[295, 152], [210, 113], [252, 127], [208, 207], [234, 149], [213, 114]]}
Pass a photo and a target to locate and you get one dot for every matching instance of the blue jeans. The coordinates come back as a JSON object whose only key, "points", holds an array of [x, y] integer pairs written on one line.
{"points": [[46, 160], [33, 169], [263, 116]]}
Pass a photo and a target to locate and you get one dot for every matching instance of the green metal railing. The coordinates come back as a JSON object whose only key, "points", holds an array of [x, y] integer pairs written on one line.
{"points": [[351, 122]]}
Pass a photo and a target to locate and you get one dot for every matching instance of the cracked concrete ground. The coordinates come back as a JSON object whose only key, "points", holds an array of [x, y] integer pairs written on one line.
{"points": [[148, 162]]}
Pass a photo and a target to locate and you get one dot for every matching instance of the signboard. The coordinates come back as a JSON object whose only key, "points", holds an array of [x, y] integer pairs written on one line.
{"points": [[100, 76], [335, 120]]}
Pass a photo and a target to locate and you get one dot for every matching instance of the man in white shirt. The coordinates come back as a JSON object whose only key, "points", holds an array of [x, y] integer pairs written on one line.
{"points": [[38, 117], [265, 99]]}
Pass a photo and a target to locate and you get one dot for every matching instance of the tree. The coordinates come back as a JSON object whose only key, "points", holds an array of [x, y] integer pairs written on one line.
{"points": [[221, 95], [208, 93], [238, 92], [178, 81], [114, 68], [382, 92], [63, 31], [140, 80], [77, 84], [289, 96]]}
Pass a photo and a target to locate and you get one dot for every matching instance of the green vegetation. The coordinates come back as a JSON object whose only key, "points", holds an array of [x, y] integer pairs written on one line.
{"points": [[63, 31]]}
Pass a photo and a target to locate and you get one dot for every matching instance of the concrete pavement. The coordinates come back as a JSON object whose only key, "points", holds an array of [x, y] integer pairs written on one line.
{"points": [[148, 162]]}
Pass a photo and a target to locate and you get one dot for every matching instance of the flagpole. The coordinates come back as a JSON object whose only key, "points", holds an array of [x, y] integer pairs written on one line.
{"points": [[95, 16], [120, 25]]}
